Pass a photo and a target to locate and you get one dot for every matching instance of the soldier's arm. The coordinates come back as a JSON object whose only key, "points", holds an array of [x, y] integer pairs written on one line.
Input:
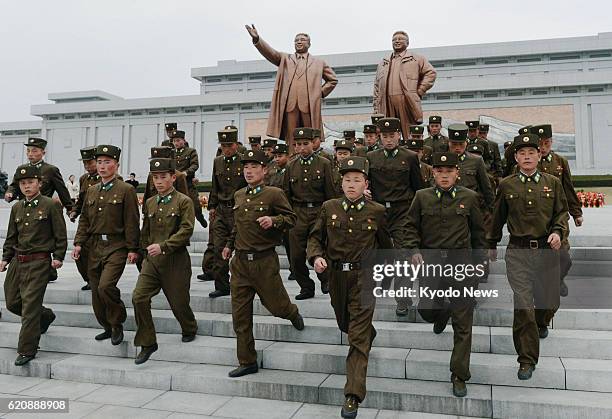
{"points": [[383, 237], [500, 216], [146, 226], [8, 250], [181, 237], [476, 224], [330, 188], [413, 225], [575, 208], [13, 189], [285, 218], [78, 206], [559, 220], [497, 161], [416, 181], [82, 232], [59, 232], [331, 80], [147, 192], [427, 77], [181, 184], [213, 197], [232, 237], [60, 188], [267, 51], [484, 184], [194, 163], [131, 220], [287, 181], [317, 239]]}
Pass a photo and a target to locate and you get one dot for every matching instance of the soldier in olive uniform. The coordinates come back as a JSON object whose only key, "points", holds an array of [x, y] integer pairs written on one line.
{"points": [[495, 165], [316, 145], [35, 243], [370, 134], [358, 149], [417, 145], [473, 138], [558, 166], [346, 228], [227, 178], [255, 142], [268, 148], [261, 214], [180, 184], [109, 228], [436, 141], [170, 128], [534, 206], [342, 151], [395, 176], [506, 161], [167, 227], [308, 183], [461, 239]]}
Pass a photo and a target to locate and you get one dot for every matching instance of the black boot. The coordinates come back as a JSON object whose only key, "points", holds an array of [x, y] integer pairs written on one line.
{"points": [[104, 335], [145, 353], [243, 370], [23, 359], [117, 335]]}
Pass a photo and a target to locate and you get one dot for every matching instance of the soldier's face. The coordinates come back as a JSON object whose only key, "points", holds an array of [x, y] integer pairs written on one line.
{"points": [[90, 166], [354, 184], [545, 146], [163, 182], [390, 140], [302, 43], [229, 149], [483, 134], [34, 154], [434, 129], [268, 151], [472, 133], [527, 159], [303, 147], [342, 154], [169, 133], [107, 167], [316, 143], [178, 142], [255, 146], [457, 147], [254, 173], [445, 177], [399, 42], [370, 138], [30, 187], [281, 159]]}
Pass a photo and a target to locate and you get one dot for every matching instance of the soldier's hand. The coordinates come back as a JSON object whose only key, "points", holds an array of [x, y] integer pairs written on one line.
{"points": [[253, 32], [76, 252], [72, 216], [417, 259], [56, 264], [578, 221], [492, 255], [154, 249], [555, 241], [320, 264], [265, 222], [3, 265], [211, 214], [132, 257], [226, 253], [368, 194], [8, 197]]}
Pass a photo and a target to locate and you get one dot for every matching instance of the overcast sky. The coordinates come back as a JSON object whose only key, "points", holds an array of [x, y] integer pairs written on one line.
{"points": [[146, 48]]}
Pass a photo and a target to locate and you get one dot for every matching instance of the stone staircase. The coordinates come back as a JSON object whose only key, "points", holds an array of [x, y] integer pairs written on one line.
{"points": [[409, 365]]}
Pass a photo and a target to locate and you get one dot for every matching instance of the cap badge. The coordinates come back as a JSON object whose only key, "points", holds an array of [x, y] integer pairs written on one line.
{"points": [[156, 164], [223, 136], [105, 149], [387, 124], [250, 154], [31, 140], [443, 158], [541, 131], [525, 139], [23, 171], [456, 134], [301, 132], [350, 162]]}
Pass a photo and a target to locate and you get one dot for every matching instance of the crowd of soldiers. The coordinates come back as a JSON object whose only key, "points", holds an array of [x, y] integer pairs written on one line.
{"points": [[427, 195]]}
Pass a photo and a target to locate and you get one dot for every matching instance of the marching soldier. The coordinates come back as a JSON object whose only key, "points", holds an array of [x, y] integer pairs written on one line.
{"points": [[534, 206], [358, 150], [370, 134], [316, 146], [506, 164], [227, 178], [457, 210], [187, 162], [509, 153], [255, 142], [167, 227], [346, 228], [558, 166], [416, 145], [262, 213], [180, 184], [35, 243], [394, 178], [474, 138], [308, 183], [170, 128], [495, 166], [109, 228], [436, 141], [342, 151]]}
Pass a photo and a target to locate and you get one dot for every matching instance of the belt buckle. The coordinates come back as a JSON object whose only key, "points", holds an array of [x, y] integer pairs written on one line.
{"points": [[533, 244], [387, 204], [104, 237], [250, 257], [346, 267], [309, 205]]}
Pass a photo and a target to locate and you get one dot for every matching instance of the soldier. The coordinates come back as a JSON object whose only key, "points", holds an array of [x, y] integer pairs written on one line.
{"points": [[472, 175], [308, 183], [167, 227], [473, 138], [52, 180], [255, 142], [268, 148], [558, 166], [495, 166], [227, 178], [506, 169], [35, 243], [534, 206], [436, 141], [180, 184], [371, 137], [346, 228], [316, 146], [187, 162], [262, 213], [417, 145], [342, 151], [170, 128], [358, 150], [395, 176], [457, 210], [109, 228], [509, 153]]}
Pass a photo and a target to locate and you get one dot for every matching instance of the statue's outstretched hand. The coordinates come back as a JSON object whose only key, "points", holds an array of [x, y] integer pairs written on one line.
{"points": [[252, 31]]}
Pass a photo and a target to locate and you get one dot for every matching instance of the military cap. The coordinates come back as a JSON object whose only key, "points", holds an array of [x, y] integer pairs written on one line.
{"points": [[542, 131], [435, 119], [525, 129], [376, 117], [472, 124], [231, 127], [415, 144], [88, 153], [228, 136], [162, 152], [348, 133], [476, 149], [359, 140], [170, 126], [483, 127], [27, 172], [507, 144], [344, 144], [354, 164], [36, 142], [254, 156], [108, 150], [303, 134], [389, 125], [416, 129], [255, 139], [457, 132], [316, 133], [369, 129], [280, 149], [270, 142], [157, 165], [178, 134], [446, 159], [167, 143], [526, 140]]}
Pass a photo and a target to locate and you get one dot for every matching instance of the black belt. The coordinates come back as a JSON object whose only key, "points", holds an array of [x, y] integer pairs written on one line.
{"points": [[23, 258], [307, 204], [108, 237], [251, 256], [529, 243], [346, 266], [393, 204]]}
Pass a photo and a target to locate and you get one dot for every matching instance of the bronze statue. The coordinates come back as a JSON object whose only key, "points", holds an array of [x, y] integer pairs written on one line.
{"points": [[401, 81], [298, 91]]}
